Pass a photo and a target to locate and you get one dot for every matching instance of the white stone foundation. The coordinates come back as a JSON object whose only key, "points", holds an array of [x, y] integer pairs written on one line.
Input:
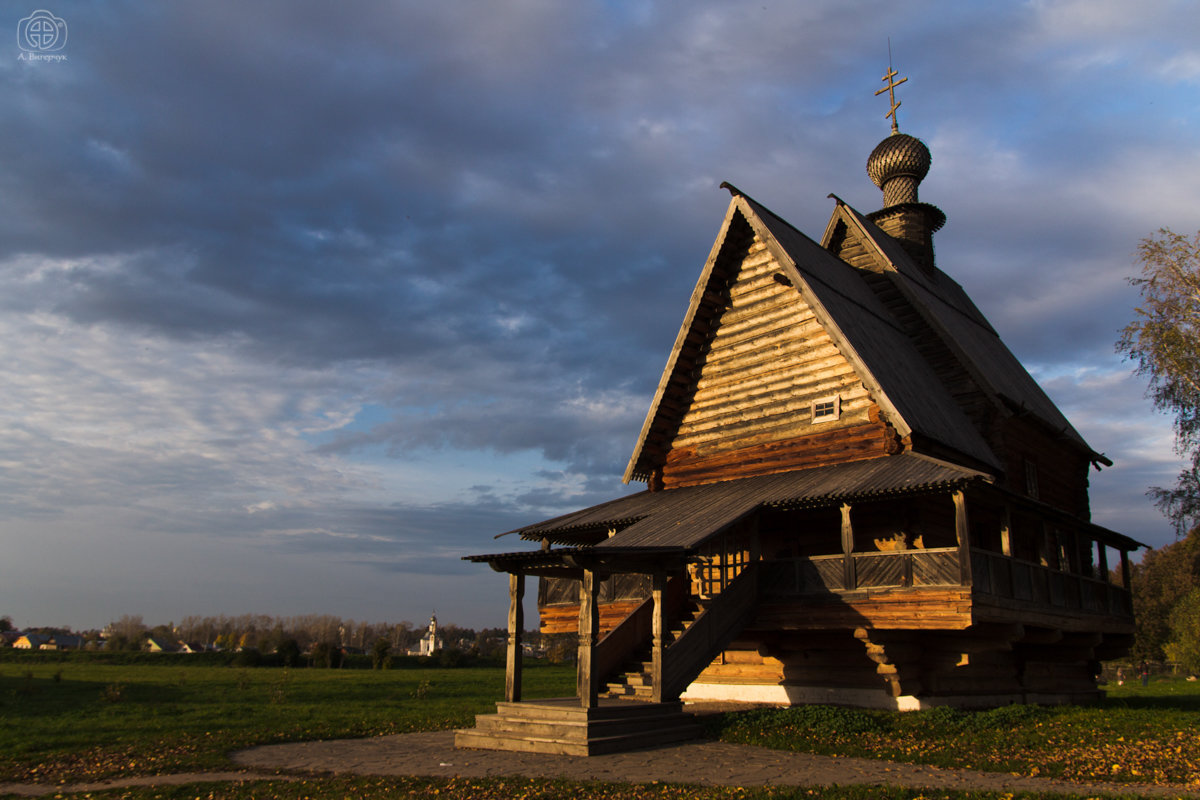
{"points": [[783, 695]]}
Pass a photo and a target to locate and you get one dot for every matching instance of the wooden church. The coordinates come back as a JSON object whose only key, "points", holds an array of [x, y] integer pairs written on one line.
{"points": [[855, 495]]}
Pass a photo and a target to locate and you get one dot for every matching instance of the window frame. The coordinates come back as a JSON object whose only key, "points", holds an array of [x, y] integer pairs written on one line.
{"points": [[833, 400]]}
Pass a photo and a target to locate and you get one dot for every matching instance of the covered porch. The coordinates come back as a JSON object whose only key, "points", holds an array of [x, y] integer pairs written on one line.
{"points": [[591, 724]]}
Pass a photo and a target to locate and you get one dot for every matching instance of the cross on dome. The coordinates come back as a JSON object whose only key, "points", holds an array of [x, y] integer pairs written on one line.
{"points": [[891, 90]]}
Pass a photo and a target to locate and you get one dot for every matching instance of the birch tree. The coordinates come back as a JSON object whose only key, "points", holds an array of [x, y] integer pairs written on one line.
{"points": [[1164, 341]]}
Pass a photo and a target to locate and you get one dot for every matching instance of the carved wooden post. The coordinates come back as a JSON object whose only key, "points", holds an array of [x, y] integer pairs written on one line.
{"points": [[1005, 531], [516, 624], [963, 531], [1127, 596], [589, 624], [848, 577], [657, 631]]}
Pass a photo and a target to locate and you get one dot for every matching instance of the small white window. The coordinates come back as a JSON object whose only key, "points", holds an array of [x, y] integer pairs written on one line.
{"points": [[826, 409]]}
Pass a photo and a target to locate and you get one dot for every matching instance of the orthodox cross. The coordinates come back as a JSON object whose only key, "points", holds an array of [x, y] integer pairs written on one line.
{"points": [[891, 90]]}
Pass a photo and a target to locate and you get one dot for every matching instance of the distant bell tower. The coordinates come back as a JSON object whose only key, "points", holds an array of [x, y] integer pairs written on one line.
{"points": [[897, 165]]}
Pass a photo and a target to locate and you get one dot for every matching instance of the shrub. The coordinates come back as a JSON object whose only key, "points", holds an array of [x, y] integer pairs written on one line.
{"points": [[247, 657]]}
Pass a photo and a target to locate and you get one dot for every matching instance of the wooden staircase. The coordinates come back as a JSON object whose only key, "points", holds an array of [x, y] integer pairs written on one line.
{"points": [[696, 636], [562, 727], [636, 679], [624, 720]]}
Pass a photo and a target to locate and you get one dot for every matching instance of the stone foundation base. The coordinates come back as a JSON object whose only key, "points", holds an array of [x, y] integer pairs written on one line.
{"points": [[784, 695]]}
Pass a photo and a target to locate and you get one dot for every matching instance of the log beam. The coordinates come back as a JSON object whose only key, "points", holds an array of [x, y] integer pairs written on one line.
{"points": [[589, 623], [963, 531], [847, 548], [657, 630], [516, 624]]}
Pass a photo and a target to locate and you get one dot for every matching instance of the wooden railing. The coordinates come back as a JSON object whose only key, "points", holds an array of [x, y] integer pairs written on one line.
{"points": [[1002, 576], [614, 649], [724, 617], [992, 573], [937, 566]]}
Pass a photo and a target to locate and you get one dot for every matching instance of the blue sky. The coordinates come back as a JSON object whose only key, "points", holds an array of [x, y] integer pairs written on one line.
{"points": [[301, 302]]}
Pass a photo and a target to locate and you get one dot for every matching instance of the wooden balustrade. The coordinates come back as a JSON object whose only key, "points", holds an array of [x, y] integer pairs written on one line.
{"points": [[1003, 576], [901, 568], [992, 573]]}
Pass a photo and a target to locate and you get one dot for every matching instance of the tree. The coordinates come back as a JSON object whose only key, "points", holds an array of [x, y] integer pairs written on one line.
{"points": [[127, 633], [6, 624], [1164, 340], [288, 650], [1184, 647], [1162, 579], [379, 654]]}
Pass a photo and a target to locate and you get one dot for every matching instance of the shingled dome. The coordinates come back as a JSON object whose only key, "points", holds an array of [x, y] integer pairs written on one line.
{"points": [[897, 165]]}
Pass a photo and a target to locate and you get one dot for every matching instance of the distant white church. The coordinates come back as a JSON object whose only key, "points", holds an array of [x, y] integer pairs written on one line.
{"points": [[430, 642]]}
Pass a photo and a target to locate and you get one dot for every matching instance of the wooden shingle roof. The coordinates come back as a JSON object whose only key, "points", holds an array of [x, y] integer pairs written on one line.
{"points": [[687, 516], [911, 397], [962, 326]]}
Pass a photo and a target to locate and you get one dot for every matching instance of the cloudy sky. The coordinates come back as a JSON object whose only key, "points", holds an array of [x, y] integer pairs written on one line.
{"points": [[300, 302]]}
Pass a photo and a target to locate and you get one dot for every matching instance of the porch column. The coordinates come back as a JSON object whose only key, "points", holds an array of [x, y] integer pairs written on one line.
{"points": [[963, 531], [1005, 530], [849, 579], [589, 625], [657, 630], [516, 624]]}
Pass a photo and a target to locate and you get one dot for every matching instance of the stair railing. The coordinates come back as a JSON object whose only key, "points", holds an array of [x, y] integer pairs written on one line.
{"points": [[723, 619], [615, 649]]}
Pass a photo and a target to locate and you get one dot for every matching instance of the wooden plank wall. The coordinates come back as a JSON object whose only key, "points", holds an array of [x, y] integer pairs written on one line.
{"points": [[1062, 470], [767, 362]]}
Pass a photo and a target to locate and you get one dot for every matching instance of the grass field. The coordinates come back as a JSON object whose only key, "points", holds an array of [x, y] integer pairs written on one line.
{"points": [[1137, 735], [77, 722], [83, 721]]}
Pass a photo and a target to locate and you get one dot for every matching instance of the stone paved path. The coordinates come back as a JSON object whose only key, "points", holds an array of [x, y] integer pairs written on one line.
{"points": [[701, 762]]}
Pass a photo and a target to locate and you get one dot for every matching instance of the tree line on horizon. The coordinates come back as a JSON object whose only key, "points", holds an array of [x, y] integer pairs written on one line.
{"points": [[269, 634]]}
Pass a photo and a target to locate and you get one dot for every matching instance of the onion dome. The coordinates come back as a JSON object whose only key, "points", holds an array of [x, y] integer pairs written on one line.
{"points": [[897, 165]]}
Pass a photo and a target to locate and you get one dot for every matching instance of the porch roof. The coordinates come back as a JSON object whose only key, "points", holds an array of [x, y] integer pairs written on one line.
{"points": [[684, 518]]}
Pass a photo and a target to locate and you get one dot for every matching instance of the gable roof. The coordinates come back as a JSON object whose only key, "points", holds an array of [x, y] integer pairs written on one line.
{"points": [[909, 394], [959, 323]]}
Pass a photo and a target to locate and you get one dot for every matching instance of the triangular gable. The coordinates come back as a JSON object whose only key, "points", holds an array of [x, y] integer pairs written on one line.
{"points": [[959, 323], [637, 469], [908, 395], [905, 385]]}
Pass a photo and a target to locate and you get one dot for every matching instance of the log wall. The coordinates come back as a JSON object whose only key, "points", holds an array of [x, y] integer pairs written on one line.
{"points": [[992, 665], [769, 360], [565, 618], [1061, 468]]}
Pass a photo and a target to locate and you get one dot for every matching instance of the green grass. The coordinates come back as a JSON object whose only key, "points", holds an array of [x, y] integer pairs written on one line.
{"points": [[87, 721], [78, 722], [1139, 734], [515, 788]]}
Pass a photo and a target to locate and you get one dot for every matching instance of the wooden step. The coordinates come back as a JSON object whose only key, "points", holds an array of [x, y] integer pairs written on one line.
{"points": [[565, 728]]}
